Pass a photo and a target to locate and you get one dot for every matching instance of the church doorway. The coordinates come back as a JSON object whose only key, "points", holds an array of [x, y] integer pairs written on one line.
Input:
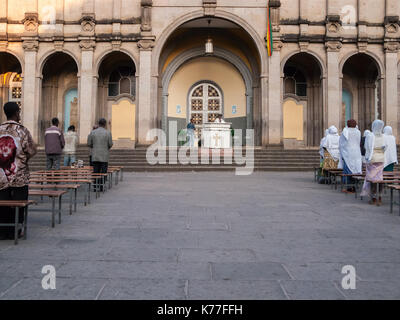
{"points": [[71, 109]]}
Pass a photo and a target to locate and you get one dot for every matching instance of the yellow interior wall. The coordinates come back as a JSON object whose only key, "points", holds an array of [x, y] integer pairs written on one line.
{"points": [[208, 68], [293, 120], [218, 42], [123, 120]]}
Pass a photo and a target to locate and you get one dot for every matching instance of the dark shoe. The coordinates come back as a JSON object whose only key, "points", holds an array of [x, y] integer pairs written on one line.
{"points": [[372, 201], [379, 203]]}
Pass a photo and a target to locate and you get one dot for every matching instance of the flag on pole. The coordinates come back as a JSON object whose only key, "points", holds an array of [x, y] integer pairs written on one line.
{"points": [[270, 40]]}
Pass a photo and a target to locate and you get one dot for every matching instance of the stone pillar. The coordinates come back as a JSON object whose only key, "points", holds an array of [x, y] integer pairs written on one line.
{"points": [[145, 116], [274, 96], [391, 113], [333, 84], [86, 91], [30, 91]]}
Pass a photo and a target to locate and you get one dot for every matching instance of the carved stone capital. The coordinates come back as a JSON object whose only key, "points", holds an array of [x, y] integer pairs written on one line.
{"points": [[87, 45], [391, 47], [88, 22], [30, 45], [391, 26], [277, 45], [146, 44], [31, 22], [209, 7], [333, 26], [333, 46]]}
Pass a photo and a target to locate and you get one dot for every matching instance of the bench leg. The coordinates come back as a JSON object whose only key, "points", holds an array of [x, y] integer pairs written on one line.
{"points": [[26, 222], [75, 198], [116, 177], [53, 211], [70, 201], [89, 188], [16, 225], [59, 209], [391, 200], [399, 201]]}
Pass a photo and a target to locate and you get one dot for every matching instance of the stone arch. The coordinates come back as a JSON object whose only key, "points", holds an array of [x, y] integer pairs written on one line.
{"points": [[163, 38], [226, 55], [16, 56], [104, 55], [46, 56], [379, 64], [320, 61]]}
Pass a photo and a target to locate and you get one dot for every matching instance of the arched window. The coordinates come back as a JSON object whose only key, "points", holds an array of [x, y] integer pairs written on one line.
{"points": [[295, 82], [205, 104], [15, 94], [122, 81]]}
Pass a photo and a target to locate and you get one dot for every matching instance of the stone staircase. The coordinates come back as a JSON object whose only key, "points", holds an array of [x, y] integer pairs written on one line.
{"points": [[265, 159]]}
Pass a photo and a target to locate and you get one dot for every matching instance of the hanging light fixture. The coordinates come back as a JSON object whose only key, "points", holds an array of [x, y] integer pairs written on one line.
{"points": [[209, 42]]}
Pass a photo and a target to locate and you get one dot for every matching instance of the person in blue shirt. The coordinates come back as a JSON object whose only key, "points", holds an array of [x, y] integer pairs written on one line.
{"points": [[190, 132]]}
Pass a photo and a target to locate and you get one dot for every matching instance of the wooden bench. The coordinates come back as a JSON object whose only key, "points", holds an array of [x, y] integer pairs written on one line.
{"points": [[53, 195], [17, 205], [72, 188]]}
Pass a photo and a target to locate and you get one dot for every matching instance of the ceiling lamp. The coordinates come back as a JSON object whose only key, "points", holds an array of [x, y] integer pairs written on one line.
{"points": [[209, 43]]}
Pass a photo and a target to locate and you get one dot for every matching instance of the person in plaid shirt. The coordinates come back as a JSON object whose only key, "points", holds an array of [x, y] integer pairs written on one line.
{"points": [[16, 148]]}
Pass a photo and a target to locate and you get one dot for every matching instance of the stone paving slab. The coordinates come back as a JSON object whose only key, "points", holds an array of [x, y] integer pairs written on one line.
{"points": [[209, 236]]}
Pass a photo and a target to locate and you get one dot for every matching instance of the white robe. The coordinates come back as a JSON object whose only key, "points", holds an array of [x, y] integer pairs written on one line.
{"points": [[350, 150], [391, 150], [219, 121], [332, 145]]}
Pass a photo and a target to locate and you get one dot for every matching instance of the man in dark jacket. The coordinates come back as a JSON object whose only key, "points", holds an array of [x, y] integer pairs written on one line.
{"points": [[54, 144]]}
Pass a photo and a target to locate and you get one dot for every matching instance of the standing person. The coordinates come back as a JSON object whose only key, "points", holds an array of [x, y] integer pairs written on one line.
{"points": [[54, 145], [350, 152], [331, 149], [219, 119], [321, 178], [16, 149], [190, 132], [391, 151], [100, 141], [90, 149], [375, 146], [362, 144], [71, 144]]}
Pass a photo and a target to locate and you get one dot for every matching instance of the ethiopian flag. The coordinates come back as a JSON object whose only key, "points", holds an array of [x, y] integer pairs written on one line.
{"points": [[270, 41]]}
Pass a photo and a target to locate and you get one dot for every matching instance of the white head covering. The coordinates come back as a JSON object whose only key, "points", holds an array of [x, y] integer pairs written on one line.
{"points": [[391, 149], [377, 131], [367, 132], [350, 150], [321, 145], [377, 127], [332, 143]]}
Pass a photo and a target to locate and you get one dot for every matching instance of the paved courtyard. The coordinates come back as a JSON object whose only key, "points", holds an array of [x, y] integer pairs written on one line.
{"points": [[209, 236]]}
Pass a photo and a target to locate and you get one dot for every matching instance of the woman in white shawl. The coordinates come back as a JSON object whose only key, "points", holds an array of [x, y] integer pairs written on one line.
{"points": [[391, 151], [350, 152], [331, 149], [321, 146], [375, 146]]}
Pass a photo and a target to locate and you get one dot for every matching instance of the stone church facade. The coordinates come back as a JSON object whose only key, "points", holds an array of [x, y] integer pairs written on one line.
{"points": [[143, 64]]}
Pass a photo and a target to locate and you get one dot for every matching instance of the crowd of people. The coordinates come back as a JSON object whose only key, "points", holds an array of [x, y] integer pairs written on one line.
{"points": [[375, 151]]}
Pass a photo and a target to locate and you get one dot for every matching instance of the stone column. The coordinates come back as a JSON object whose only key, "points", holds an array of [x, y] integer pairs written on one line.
{"points": [[274, 96], [86, 91], [145, 116], [30, 91], [333, 86], [391, 113]]}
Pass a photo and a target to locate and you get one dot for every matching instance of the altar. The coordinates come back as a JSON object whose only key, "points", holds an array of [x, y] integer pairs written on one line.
{"points": [[217, 135]]}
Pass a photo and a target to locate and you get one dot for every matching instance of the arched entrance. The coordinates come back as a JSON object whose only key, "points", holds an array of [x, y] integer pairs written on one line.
{"points": [[362, 81], [302, 100], [116, 98], [231, 70], [59, 96], [10, 81]]}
